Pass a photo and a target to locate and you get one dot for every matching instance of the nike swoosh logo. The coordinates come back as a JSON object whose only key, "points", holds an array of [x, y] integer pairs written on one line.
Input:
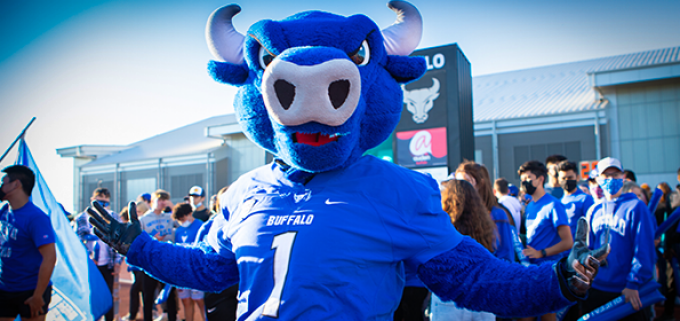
{"points": [[211, 310], [328, 202]]}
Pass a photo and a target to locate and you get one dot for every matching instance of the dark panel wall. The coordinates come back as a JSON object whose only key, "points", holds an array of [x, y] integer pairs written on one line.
{"points": [[484, 143], [576, 143]]}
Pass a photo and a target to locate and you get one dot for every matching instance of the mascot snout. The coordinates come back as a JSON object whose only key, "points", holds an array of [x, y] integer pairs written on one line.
{"points": [[326, 93]]}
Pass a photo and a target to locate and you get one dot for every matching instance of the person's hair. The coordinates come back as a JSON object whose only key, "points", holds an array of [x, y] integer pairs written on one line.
{"points": [[101, 191], [481, 176], [535, 167], [666, 189], [22, 173], [501, 185], [628, 187], [554, 159], [470, 217], [162, 194], [181, 210], [629, 175], [222, 190], [565, 166], [124, 214], [142, 206]]}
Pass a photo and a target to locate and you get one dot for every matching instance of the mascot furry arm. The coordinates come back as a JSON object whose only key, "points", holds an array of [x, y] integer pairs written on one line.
{"points": [[324, 232]]}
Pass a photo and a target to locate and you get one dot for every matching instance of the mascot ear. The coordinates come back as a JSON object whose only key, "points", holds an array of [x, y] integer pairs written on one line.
{"points": [[228, 73], [404, 69]]}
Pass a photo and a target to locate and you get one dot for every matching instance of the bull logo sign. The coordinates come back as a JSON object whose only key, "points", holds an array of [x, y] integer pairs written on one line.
{"points": [[420, 101]]}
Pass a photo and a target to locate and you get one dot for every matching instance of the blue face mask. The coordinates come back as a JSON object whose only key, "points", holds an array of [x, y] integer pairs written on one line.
{"points": [[610, 186]]}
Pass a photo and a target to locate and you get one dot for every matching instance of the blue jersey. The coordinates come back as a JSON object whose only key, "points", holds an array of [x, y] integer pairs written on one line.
{"points": [[576, 205], [202, 234], [631, 239], [504, 242], [285, 238], [22, 232], [542, 219], [187, 235]]}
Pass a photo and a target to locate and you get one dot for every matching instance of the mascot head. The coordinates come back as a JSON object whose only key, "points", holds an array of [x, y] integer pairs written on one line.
{"points": [[317, 89]]}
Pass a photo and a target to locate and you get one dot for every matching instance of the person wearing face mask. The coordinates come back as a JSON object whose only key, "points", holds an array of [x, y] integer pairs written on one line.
{"points": [[552, 184], [625, 222], [159, 224], [186, 234], [196, 199], [27, 251], [107, 260], [575, 201], [549, 236], [594, 188]]}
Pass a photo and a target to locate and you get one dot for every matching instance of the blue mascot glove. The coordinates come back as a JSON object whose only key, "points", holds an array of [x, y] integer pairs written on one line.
{"points": [[582, 265], [117, 235]]}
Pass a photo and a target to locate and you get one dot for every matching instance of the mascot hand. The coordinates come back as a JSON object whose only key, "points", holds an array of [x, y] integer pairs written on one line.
{"points": [[582, 264], [116, 234]]}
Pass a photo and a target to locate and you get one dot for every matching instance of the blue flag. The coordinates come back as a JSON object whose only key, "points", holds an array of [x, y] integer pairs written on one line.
{"points": [[79, 292]]}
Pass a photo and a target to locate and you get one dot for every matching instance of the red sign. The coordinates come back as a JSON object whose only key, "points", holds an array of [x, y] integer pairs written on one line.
{"points": [[425, 147]]}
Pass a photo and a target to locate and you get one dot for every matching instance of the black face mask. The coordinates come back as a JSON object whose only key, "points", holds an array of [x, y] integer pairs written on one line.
{"points": [[528, 188], [568, 185], [2, 194]]}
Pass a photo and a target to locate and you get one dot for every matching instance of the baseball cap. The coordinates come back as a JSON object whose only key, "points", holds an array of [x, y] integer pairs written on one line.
{"points": [[196, 191], [146, 197], [608, 162]]}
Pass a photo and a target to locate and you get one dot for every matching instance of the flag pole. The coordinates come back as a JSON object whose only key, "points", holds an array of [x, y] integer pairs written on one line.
{"points": [[23, 132]]}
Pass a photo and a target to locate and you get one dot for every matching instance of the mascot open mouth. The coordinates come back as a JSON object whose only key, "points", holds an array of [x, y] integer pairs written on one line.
{"points": [[314, 139]]}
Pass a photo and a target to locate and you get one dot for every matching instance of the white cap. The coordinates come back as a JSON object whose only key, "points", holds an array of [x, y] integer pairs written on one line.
{"points": [[196, 191], [608, 162]]}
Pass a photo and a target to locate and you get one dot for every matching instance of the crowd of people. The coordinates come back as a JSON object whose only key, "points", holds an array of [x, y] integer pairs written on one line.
{"points": [[184, 223], [543, 214], [533, 224]]}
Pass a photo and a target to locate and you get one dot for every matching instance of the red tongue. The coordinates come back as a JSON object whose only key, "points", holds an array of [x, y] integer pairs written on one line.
{"points": [[315, 139]]}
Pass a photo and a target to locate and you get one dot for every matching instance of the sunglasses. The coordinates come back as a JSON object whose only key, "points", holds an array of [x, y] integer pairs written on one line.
{"points": [[103, 203]]}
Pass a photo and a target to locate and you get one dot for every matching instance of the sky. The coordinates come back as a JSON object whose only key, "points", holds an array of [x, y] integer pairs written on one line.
{"points": [[113, 72]]}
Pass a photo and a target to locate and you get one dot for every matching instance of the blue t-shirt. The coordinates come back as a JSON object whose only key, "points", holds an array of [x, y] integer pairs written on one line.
{"points": [[631, 239], [187, 235], [285, 237], [576, 205], [22, 232], [504, 242], [542, 219]]}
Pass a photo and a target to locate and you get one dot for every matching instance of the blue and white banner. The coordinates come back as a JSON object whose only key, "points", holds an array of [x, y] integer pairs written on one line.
{"points": [[79, 292]]}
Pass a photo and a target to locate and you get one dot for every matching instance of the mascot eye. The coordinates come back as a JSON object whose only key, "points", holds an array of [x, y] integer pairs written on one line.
{"points": [[265, 58], [362, 56]]}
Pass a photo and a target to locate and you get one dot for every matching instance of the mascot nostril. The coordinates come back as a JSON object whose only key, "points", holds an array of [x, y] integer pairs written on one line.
{"points": [[338, 91], [285, 92]]}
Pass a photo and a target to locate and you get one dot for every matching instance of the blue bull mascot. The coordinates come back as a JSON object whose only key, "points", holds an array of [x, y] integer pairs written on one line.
{"points": [[323, 232]]}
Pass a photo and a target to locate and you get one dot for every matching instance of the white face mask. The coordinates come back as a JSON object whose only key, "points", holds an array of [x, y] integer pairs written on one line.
{"points": [[185, 223]]}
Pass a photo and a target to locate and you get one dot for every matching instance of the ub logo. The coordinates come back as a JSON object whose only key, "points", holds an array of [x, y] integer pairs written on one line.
{"points": [[420, 101], [7, 232]]}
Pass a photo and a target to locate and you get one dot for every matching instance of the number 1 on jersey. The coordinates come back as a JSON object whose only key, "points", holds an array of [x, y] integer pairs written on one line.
{"points": [[283, 244]]}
